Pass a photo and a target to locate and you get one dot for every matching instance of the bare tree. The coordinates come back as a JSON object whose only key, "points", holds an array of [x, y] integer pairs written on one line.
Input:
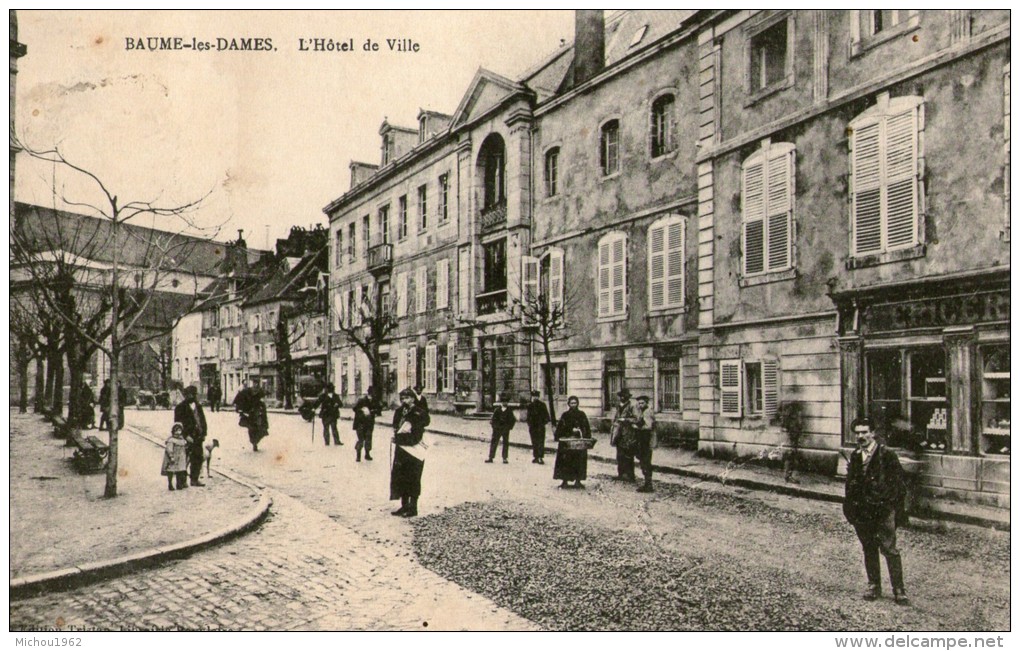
{"points": [[368, 326], [289, 330], [138, 311]]}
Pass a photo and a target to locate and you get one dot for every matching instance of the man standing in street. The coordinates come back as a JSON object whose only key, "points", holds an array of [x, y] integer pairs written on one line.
{"points": [[329, 404], [365, 411], [644, 432], [503, 420], [623, 437], [104, 406], [189, 414], [214, 395], [538, 417], [874, 495]]}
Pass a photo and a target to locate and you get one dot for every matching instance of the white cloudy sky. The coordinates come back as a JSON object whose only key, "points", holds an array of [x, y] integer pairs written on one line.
{"points": [[269, 134]]}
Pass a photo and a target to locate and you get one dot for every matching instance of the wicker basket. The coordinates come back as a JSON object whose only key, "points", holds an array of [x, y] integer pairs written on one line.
{"points": [[577, 444]]}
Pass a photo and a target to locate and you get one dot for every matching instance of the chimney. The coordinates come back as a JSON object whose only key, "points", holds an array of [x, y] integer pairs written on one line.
{"points": [[589, 44]]}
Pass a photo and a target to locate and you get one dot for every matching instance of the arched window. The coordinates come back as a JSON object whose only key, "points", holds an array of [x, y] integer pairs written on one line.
{"points": [[552, 162], [662, 126], [609, 147], [493, 162]]}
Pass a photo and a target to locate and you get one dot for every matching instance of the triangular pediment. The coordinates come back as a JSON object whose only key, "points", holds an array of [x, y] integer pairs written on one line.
{"points": [[487, 90]]}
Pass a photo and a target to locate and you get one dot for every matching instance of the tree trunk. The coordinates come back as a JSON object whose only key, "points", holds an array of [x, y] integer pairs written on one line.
{"points": [[547, 374], [23, 365], [58, 386], [52, 361], [39, 399]]}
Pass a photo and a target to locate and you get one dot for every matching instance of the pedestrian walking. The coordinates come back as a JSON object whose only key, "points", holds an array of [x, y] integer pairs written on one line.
{"points": [[409, 456], [571, 463], [104, 406], [190, 415], [537, 418], [503, 420], [175, 458], [423, 404], [252, 409], [329, 404], [874, 498], [622, 436], [86, 417], [365, 411], [214, 395], [644, 433]]}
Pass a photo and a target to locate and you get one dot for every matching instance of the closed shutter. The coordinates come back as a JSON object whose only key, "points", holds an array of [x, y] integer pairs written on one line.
{"points": [[430, 368], [402, 370], [338, 309], [402, 294], [356, 317], [657, 267], [464, 280], [779, 202], [451, 357], [753, 209], [605, 293], [366, 371], [770, 387], [412, 366], [352, 365], [619, 275], [442, 284], [730, 388], [556, 279], [529, 283], [421, 288], [900, 172], [866, 202], [675, 263]]}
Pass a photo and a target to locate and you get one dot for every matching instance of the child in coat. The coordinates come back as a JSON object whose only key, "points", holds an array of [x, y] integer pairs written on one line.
{"points": [[175, 458]]}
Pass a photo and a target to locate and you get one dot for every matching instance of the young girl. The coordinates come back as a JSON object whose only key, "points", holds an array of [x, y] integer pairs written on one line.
{"points": [[175, 458]]}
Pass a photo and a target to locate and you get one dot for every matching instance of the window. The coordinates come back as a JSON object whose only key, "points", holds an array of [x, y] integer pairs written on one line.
{"points": [[613, 372], [494, 174], [444, 198], [387, 149], [873, 26], [430, 367], [423, 208], [609, 147], [760, 380], [402, 294], [384, 224], [365, 233], [666, 263], [339, 251], [352, 241], [451, 365], [412, 366], [767, 191], [668, 388], [421, 289], [443, 284], [551, 280], [770, 65], [662, 126], [529, 284], [495, 265], [402, 216], [995, 373], [551, 162], [464, 280], [907, 397], [612, 275], [344, 376], [557, 377], [885, 176], [442, 366], [384, 306], [422, 129]]}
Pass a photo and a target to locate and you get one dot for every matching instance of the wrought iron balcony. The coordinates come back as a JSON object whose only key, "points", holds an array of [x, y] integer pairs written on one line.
{"points": [[380, 258], [493, 217], [491, 302]]}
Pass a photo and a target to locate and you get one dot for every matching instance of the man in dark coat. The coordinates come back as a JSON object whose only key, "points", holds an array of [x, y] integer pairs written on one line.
{"points": [[502, 421], [365, 411], [644, 432], [874, 495], [408, 458], [214, 395], [104, 406], [189, 414], [329, 404], [423, 404], [538, 417], [623, 437]]}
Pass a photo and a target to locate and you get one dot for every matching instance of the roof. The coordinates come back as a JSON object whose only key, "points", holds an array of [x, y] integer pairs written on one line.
{"points": [[286, 282]]}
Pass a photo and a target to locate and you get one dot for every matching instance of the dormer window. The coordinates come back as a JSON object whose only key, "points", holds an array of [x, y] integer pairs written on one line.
{"points": [[387, 149], [639, 34], [423, 129]]}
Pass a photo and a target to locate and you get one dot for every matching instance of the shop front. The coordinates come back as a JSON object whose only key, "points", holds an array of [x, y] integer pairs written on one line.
{"points": [[929, 363]]}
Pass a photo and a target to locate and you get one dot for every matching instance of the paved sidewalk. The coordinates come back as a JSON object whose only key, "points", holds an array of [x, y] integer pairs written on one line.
{"points": [[64, 532], [675, 461]]}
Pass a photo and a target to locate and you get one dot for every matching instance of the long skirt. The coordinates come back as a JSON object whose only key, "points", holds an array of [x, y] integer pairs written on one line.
{"points": [[405, 478], [256, 433], [571, 465]]}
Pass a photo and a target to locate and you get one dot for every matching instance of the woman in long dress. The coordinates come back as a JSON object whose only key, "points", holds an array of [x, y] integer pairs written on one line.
{"points": [[408, 457], [252, 408], [571, 465]]}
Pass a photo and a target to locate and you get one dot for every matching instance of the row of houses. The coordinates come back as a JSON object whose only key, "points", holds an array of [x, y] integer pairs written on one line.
{"points": [[738, 209]]}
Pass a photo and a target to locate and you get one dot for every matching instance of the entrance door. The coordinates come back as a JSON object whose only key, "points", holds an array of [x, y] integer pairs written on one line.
{"points": [[488, 378]]}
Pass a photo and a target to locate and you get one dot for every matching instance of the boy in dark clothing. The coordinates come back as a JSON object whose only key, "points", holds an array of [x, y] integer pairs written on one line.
{"points": [[538, 417], [503, 420]]}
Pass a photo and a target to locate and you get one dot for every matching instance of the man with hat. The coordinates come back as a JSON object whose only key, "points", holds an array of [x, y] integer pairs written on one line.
{"points": [[502, 421], [190, 414], [623, 437], [644, 432], [538, 417], [408, 457]]}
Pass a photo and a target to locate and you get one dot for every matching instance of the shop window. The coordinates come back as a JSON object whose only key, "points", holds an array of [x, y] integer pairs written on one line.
{"points": [[995, 399], [907, 398], [668, 389], [612, 382]]}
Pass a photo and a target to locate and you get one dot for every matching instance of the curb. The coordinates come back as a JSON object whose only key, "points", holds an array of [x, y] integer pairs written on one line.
{"points": [[86, 573]]}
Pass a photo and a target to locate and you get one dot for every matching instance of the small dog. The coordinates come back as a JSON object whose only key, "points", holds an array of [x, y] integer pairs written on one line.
{"points": [[208, 454]]}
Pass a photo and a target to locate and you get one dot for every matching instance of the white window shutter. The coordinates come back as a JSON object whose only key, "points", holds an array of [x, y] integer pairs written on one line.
{"points": [[901, 179], [356, 317], [421, 289], [770, 386], [430, 368], [464, 280], [675, 263], [529, 280], [402, 370], [366, 372], [442, 284], [556, 279], [619, 275], [779, 202], [402, 294], [866, 199], [605, 289], [412, 366], [657, 267], [351, 372], [730, 388], [753, 200], [451, 356]]}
